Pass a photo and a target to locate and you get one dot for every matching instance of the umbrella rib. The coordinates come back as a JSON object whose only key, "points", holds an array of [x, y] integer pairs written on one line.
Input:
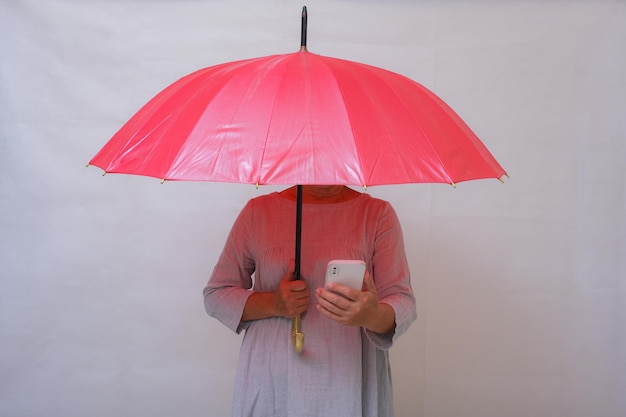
{"points": [[271, 122], [419, 127], [266, 140], [430, 144], [377, 73]]}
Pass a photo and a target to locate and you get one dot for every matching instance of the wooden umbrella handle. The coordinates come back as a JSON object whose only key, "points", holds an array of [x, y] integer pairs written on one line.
{"points": [[296, 334]]}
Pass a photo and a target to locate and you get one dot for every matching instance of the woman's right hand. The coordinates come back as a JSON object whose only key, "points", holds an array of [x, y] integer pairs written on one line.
{"points": [[292, 297], [288, 300]]}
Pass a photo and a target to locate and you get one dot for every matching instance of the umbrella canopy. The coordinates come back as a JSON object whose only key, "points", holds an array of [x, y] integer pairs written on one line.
{"points": [[298, 118]]}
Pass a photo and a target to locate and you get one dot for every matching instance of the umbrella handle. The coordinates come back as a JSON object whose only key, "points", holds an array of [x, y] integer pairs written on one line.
{"points": [[296, 334]]}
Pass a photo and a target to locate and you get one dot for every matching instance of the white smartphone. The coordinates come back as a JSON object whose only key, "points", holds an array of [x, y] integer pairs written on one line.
{"points": [[348, 272]]}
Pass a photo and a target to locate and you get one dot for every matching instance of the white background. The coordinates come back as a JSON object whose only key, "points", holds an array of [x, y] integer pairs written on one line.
{"points": [[520, 287]]}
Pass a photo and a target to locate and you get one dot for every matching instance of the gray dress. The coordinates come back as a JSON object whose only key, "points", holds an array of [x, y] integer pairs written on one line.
{"points": [[342, 371]]}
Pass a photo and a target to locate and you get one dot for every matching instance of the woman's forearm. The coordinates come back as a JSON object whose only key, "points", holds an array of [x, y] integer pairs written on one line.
{"points": [[384, 321], [260, 305]]}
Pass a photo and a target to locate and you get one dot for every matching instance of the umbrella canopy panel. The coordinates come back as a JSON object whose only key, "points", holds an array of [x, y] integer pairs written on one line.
{"points": [[298, 118]]}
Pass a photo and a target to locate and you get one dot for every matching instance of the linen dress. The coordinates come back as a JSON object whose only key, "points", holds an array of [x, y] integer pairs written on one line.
{"points": [[342, 370]]}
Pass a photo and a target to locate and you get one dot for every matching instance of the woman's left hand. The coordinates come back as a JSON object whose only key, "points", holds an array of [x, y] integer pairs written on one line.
{"points": [[356, 308]]}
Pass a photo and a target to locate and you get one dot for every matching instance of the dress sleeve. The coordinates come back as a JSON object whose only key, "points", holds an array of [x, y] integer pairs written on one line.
{"points": [[390, 271], [228, 289]]}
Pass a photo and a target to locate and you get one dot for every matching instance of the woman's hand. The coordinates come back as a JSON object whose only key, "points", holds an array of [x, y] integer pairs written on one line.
{"points": [[288, 300], [351, 307], [291, 297]]}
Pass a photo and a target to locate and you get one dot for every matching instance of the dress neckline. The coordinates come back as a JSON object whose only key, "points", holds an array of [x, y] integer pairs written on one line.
{"points": [[288, 199]]}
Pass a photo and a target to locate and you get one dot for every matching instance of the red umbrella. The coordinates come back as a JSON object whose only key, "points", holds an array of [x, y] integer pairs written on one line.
{"points": [[298, 118]]}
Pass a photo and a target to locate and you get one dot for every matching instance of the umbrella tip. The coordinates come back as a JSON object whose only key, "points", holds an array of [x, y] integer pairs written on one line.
{"points": [[303, 29]]}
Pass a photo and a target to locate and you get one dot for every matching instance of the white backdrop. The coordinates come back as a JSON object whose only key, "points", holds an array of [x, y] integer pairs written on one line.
{"points": [[521, 287]]}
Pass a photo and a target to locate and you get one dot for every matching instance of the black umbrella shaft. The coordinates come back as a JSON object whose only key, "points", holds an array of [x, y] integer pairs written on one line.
{"points": [[303, 29], [296, 274]]}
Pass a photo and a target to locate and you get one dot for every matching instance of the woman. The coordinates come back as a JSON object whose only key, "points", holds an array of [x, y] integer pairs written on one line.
{"points": [[344, 367]]}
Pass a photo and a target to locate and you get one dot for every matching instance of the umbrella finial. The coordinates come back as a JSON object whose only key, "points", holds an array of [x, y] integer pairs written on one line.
{"points": [[303, 30]]}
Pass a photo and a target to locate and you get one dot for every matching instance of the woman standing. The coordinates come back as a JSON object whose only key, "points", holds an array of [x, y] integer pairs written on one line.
{"points": [[344, 367]]}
